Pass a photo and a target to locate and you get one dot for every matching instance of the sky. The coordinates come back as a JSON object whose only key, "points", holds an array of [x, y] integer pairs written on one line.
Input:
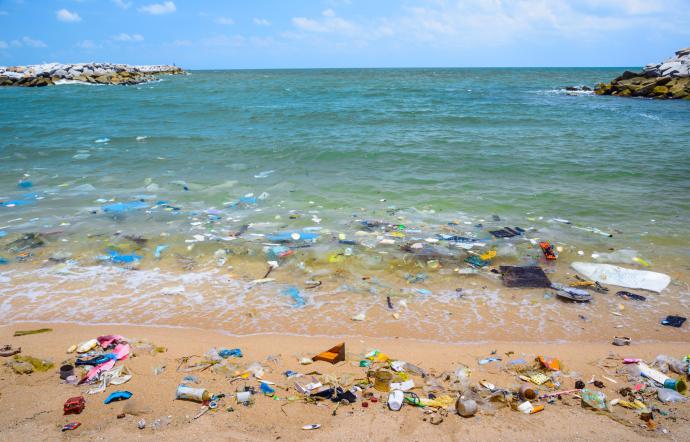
{"points": [[246, 34]]}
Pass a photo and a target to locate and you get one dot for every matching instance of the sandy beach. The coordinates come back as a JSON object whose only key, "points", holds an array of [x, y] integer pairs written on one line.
{"points": [[32, 404]]}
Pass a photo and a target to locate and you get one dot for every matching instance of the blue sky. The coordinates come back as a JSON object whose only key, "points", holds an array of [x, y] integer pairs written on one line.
{"points": [[344, 33]]}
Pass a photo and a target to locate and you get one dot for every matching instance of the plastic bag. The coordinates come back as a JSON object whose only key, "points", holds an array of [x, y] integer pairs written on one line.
{"points": [[668, 395]]}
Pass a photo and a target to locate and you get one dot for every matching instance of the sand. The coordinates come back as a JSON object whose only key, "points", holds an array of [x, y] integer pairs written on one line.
{"points": [[31, 405]]}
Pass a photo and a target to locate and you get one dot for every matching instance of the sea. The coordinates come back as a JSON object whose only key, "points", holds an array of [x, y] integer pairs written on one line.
{"points": [[223, 190]]}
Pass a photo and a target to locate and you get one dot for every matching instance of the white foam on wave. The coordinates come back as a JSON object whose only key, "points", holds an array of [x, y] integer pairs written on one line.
{"points": [[649, 116], [65, 81], [564, 92]]}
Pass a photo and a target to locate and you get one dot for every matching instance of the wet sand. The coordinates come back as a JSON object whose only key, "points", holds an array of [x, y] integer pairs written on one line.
{"points": [[31, 405]]}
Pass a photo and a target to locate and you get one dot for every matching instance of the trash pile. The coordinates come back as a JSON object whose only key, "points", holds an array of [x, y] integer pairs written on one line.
{"points": [[631, 391], [643, 391]]}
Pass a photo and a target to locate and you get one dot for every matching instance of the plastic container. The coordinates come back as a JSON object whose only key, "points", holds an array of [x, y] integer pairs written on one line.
{"points": [[466, 407], [382, 380], [674, 384], [243, 397], [395, 400], [192, 394], [66, 371]]}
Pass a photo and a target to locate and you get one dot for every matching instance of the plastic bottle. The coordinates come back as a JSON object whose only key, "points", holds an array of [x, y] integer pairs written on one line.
{"points": [[192, 394], [675, 384], [86, 346]]}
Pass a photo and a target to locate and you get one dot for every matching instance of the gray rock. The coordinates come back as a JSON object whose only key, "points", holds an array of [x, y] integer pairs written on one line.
{"points": [[61, 73], [678, 66]]}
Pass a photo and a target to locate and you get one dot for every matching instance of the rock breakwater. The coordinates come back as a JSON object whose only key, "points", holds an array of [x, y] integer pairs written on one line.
{"points": [[667, 80], [96, 73]]}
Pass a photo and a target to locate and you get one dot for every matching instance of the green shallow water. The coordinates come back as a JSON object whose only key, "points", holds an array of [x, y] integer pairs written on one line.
{"points": [[443, 144]]}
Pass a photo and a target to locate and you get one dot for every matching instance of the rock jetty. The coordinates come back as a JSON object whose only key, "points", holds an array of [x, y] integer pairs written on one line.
{"points": [[670, 79], [98, 73]]}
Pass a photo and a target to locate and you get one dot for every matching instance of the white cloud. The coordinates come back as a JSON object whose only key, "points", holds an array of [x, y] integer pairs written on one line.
{"points": [[67, 16], [128, 38], [331, 23], [122, 4], [225, 21], [467, 24], [86, 44], [159, 8], [261, 22], [28, 41], [3, 44]]}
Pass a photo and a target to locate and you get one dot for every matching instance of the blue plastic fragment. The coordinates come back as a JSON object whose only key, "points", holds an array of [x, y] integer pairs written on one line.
{"points": [[119, 258], [15, 203], [248, 199], [159, 250], [118, 396], [424, 292], [3, 233], [124, 207], [25, 184], [275, 252], [234, 352], [487, 360], [267, 389], [4, 260], [288, 236], [295, 294]]}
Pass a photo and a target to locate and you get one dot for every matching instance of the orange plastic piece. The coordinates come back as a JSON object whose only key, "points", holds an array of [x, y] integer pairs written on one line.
{"points": [[547, 248], [332, 355], [552, 364]]}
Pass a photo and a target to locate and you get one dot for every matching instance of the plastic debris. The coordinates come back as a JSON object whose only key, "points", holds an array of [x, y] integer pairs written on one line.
{"points": [[296, 295], [118, 208], [32, 332], [526, 277], [332, 355], [629, 278], [118, 396], [673, 321]]}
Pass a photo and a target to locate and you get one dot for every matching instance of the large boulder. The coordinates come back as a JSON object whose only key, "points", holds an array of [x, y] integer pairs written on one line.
{"points": [[669, 79]]}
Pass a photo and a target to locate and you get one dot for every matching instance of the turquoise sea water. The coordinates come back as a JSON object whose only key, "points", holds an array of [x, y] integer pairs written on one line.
{"points": [[162, 203], [450, 144]]}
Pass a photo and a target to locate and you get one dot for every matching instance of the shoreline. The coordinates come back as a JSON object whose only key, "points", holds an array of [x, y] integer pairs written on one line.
{"points": [[32, 404], [268, 334]]}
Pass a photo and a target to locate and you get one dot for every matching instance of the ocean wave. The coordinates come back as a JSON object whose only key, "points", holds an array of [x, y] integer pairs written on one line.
{"points": [[650, 116], [564, 92]]}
